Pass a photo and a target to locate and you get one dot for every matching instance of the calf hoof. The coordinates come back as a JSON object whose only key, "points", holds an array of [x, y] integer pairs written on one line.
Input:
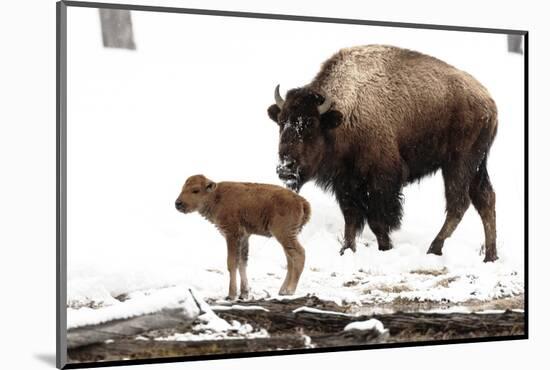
{"points": [[436, 247], [286, 292], [231, 297], [243, 296]]}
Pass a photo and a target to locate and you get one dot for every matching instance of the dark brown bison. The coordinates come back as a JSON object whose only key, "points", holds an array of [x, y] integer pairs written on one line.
{"points": [[239, 209], [376, 118]]}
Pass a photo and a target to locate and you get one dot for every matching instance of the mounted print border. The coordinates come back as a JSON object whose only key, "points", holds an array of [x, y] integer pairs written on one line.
{"points": [[287, 311]]}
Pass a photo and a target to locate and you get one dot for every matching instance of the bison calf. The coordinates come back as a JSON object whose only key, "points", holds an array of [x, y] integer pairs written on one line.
{"points": [[241, 209]]}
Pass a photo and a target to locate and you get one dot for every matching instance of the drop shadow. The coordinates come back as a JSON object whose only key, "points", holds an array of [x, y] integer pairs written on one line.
{"points": [[47, 358]]}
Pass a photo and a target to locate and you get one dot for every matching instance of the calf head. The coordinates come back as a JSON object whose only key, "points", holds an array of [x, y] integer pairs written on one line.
{"points": [[196, 191], [305, 122]]}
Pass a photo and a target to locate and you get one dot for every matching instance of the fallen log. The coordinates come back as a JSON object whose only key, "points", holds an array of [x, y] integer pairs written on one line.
{"points": [[305, 329], [139, 349], [436, 325], [180, 312], [117, 329]]}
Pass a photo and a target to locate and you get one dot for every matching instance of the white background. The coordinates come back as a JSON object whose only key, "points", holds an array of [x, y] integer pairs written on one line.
{"points": [[28, 190]]}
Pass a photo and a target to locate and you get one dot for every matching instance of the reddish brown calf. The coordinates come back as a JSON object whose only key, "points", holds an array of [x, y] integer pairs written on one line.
{"points": [[239, 210]]}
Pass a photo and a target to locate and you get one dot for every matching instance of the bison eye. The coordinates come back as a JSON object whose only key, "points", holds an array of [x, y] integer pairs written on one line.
{"points": [[195, 191]]}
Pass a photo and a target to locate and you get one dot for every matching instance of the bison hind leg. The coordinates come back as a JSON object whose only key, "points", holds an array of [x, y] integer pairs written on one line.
{"points": [[457, 177], [483, 198]]}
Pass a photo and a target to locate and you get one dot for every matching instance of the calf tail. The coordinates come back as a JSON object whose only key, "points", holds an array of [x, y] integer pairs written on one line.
{"points": [[307, 213]]}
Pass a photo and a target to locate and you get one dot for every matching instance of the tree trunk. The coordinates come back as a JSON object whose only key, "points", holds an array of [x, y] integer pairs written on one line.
{"points": [[116, 29], [515, 44]]}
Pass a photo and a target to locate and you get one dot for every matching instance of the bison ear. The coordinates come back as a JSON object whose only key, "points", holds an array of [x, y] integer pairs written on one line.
{"points": [[210, 186], [273, 112], [331, 119]]}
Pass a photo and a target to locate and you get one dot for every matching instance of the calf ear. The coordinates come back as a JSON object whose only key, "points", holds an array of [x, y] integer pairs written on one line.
{"points": [[273, 112], [331, 119], [210, 186]]}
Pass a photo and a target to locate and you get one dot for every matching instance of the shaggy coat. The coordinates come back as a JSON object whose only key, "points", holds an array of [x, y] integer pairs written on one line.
{"points": [[241, 209], [376, 118]]}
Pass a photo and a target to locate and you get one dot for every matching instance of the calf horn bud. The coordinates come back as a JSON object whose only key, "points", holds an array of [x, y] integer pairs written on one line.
{"points": [[278, 99]]}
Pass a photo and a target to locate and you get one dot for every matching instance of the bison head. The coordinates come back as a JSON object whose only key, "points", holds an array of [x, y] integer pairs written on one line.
{"points": [[305, 122]]}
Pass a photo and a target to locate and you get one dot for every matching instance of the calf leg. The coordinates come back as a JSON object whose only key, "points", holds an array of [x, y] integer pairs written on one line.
{"points": [[483, 198], [289, 271], [296, 256], [232, 264], [457, 179], [243, 261]]}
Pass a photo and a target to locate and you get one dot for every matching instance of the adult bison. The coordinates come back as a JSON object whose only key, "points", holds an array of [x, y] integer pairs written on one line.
{"points": [[376, 118]]}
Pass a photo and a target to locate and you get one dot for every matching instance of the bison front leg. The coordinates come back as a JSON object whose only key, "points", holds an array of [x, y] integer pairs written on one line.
{"points": [[355, 222], [384, 215]]}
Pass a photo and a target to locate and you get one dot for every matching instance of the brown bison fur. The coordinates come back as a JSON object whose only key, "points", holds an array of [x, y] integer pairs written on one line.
{"points": [[376, 118], [240, 209]]}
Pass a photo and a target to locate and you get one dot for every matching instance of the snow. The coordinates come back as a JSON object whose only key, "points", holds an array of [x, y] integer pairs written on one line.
{"points": [[235, 331], [140, 123], [316, 310], [210, 322], [239, 307], [139, 304], [212, 327], [307, 341], [371, 324]]}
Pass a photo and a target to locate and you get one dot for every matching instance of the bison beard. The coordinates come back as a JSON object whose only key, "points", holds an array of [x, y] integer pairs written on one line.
{"points": [[377, 118], [373, 199]]}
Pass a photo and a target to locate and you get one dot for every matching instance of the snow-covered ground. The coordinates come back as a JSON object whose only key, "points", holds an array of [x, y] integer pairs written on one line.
{"points": [[190, 101]]}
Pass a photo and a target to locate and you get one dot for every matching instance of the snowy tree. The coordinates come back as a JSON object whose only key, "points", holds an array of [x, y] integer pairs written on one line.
{"points": [[116, 29], [515, 44]]}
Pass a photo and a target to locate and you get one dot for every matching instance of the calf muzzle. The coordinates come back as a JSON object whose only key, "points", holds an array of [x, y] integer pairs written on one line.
{"points": [[180, 206]]}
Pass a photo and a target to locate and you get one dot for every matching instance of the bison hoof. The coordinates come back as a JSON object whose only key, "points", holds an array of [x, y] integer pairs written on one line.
{"points": [[385, 247], [435, 251], [347, 246], [436, 247], [490, 257]]}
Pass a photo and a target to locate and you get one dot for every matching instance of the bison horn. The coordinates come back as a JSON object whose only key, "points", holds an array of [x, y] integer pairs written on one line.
{"points": [[278, 100], [323, 108]]}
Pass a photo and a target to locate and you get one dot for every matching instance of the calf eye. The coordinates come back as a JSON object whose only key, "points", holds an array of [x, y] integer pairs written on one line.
{"points": [[195, 191]]}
